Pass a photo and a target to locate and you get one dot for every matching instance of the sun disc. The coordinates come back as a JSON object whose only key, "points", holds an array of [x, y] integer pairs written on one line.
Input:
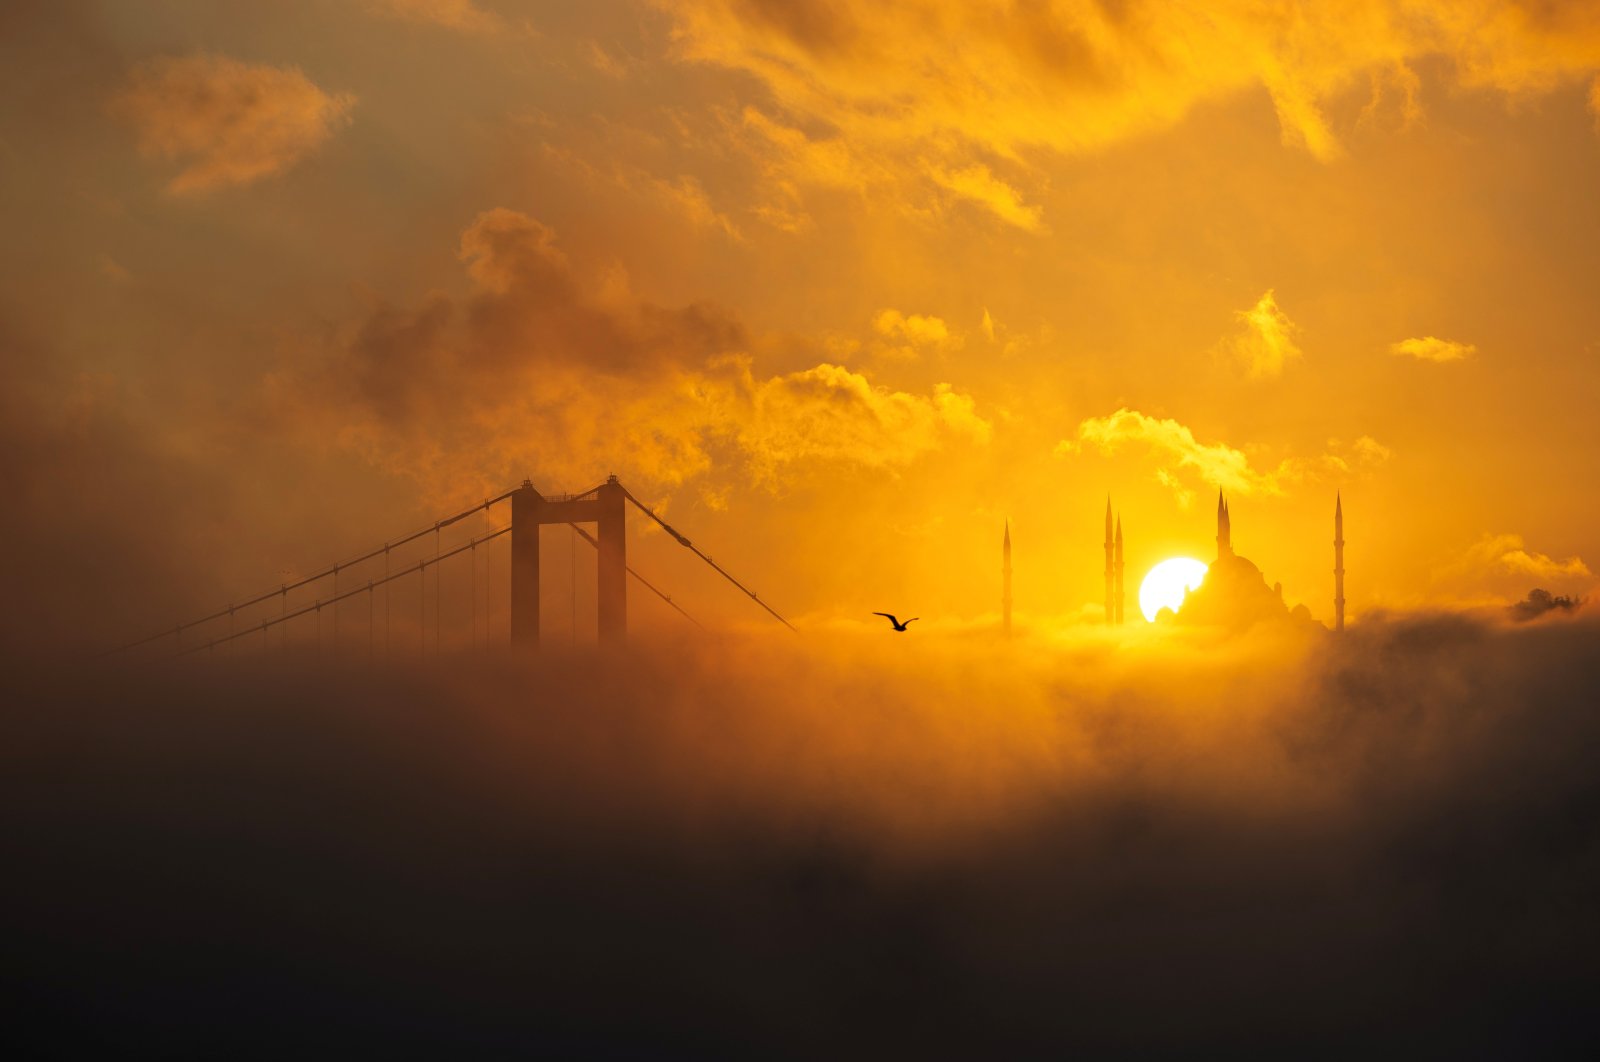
{"points": [[1166, 584]]}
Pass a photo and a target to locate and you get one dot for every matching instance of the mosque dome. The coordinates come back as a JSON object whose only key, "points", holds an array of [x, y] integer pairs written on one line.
{"points": [[1235, 593]]}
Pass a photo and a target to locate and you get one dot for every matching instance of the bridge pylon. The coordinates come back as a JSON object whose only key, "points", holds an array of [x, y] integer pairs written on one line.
{"points": [[606, 506]]}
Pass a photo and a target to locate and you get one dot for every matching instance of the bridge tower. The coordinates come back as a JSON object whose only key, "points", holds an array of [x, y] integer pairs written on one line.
{"points": [[530, 510]]}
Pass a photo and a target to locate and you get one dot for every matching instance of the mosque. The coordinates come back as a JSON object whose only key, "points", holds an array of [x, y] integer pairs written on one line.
{"points": [[1234, 593]]}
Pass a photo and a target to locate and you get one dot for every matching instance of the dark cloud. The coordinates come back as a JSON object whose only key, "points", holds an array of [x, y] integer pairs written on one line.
{"points": [[536, 369], [1319, 845]]}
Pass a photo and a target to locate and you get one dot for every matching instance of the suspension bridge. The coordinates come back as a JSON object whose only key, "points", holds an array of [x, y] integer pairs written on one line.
{"points": [[272, 612]]}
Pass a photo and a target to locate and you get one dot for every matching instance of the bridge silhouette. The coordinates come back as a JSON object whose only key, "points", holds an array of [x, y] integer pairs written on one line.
{"points": [[604, 505]]}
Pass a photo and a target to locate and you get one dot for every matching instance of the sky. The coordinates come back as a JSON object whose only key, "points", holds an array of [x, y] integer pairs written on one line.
{"points": [[841, 291], [838, 289]]}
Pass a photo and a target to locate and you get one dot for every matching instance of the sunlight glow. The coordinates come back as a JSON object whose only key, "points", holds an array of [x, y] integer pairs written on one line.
{"points": [[1167, 583]]}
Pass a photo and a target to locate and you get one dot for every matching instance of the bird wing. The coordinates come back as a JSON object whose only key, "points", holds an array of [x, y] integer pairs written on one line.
{"points": [[889, 617], [913, 619]]}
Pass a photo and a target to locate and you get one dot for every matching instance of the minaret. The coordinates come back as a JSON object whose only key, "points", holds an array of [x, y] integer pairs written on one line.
{"points": [[1005, 600], [1111, 613], [1224, 529], [1338, 563], [1120, 595]]}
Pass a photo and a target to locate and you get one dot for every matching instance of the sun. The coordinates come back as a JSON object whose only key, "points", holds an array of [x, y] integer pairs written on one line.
{"points": [[1167, 583]]}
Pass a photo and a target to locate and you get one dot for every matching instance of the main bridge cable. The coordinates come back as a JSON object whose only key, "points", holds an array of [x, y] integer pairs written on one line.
{"points": [[318, 606], [282, 591], [647, 585], [684, 542]]}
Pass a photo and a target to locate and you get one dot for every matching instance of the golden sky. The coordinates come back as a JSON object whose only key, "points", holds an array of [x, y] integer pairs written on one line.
{"points": [[841, 287]]}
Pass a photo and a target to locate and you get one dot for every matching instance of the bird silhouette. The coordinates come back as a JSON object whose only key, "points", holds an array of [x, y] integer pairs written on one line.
{"points": [[897, 624]]}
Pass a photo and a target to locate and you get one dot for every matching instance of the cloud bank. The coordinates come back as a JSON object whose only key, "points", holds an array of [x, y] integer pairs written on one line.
{"points": [[778, 848], [940, 102]]}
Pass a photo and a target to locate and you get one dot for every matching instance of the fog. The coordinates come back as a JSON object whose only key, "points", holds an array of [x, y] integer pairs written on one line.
{"points": [[854, 843]]}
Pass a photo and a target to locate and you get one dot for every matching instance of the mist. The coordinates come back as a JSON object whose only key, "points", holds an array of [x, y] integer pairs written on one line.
{"points": [[841, 843]]}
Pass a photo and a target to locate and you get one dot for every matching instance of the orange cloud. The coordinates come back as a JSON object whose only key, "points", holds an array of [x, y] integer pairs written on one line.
{"points": [[538, 370], [461, 15], [909, 335], [231, 123], [902, 91], [1266, 340], [977, 184], [1216, 464], [683, 196], [830, 413], [1428, 348], [1511, 555], [1499, 568]]}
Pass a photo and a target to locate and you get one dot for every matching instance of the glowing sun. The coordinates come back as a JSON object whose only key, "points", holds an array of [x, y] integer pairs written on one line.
{"points": [[1167, 583]]}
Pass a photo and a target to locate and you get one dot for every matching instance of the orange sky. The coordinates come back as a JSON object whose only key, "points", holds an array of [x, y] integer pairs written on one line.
{"points": [[840, 286]]}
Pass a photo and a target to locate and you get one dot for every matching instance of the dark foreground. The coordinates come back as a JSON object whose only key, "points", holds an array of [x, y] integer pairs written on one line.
{"points": [[291, 860]]}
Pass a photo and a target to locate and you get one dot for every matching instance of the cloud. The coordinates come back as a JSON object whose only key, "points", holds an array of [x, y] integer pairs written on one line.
{"points": [[1525, 562], [1218, 464], [1498, 567], [461, 15], [1363, 454], [832, 414], [978, 185], [228, 122], [1265, 342], [684, 195], [537, 369], [1215, 464], [893, 93], [1428, 348], [688, 197], [911, 335]]}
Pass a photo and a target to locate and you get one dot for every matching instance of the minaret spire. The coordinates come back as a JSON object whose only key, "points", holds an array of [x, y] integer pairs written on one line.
{"points": [[1111, 613], [1338, 562], [1224, 528], [1120, 596], [1005, 599]]}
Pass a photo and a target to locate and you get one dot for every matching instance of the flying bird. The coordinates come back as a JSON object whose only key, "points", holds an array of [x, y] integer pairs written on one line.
{"points": [[897, 624]]}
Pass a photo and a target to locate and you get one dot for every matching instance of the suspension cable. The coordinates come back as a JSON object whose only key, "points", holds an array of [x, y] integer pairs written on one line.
{"points": [[645, 582], [317, 606], [323, 574], [684, 542]]}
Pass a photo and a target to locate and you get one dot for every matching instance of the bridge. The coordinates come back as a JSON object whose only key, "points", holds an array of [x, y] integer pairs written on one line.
{"points": [[604, 506]]}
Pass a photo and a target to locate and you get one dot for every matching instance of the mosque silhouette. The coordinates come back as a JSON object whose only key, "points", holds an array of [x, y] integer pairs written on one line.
{"points": [[1234, 593]]}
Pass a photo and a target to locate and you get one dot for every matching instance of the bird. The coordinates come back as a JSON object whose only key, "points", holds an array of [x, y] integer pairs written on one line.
{"points": [[897, 624]]}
